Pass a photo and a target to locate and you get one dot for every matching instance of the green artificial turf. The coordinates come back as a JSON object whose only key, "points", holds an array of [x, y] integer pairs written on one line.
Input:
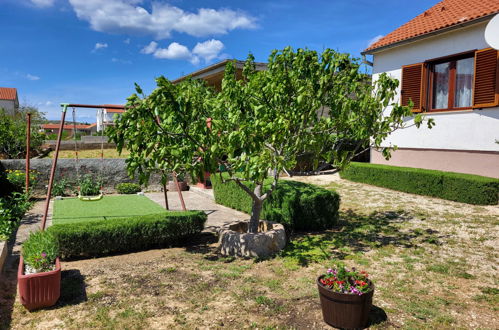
{"points": [[70, 210]]}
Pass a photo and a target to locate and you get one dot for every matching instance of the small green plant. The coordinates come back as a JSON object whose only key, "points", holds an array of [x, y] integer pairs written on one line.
{"points": [[40, 251], [12, 209], [89, 186], [18, 178], [128, 188], [60, 188]]}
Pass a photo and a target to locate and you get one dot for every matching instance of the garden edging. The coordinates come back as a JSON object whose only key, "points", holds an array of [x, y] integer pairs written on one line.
{"points": [[3, 254]]}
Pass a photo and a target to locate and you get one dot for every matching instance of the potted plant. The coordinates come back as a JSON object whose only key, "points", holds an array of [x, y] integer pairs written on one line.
{"points": [[346, 297], [39, 273], [172, 186]]}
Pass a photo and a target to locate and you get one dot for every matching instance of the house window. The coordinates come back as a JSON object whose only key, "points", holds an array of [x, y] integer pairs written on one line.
{"points": [[451, 83], [464, 81]]}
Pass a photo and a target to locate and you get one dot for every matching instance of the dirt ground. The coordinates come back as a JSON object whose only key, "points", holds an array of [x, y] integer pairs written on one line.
{"points": [[434, 264]]}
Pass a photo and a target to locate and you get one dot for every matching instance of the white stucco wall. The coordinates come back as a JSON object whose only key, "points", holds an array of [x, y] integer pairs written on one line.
{"points": [[466, 130], [8, 106]]}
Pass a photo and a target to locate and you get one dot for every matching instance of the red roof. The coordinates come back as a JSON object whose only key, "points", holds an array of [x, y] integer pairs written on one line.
{"points": [[68, 127], [7, 93], [446, 13]]}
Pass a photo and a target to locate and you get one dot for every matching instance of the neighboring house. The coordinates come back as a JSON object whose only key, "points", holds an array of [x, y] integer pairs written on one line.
{"points": [[214, 74], [450, 73], [107, 116], [69, 128], [9, 100]]}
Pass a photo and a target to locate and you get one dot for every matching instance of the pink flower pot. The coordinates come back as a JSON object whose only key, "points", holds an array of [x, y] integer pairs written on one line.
{"points": [[41, 289]]}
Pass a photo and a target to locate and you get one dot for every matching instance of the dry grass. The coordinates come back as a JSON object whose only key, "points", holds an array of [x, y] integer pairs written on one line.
{"points": [[434, 264], [108, 153]]}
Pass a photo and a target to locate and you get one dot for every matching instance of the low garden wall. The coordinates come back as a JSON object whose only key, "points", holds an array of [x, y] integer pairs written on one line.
{"points": [[114, 171], [296, 205], [88, 144], [465, 188]]}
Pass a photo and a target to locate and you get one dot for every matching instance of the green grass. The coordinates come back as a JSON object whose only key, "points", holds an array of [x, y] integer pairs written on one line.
{"points": [[70, 210]]}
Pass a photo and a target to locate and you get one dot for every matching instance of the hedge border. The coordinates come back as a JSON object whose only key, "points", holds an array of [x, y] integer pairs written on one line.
{"points": [[458, 187], [296, 205], [121, 235]]}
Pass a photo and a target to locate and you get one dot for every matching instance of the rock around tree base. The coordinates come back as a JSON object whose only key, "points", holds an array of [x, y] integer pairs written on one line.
{"points": [[236, 241]]}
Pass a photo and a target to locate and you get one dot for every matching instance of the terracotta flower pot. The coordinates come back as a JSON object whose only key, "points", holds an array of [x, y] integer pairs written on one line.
{"points": [[173, 187], [346, 311], [41, 289]]}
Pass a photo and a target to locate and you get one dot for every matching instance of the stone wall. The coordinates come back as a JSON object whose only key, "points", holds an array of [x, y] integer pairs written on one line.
{"points": [[113, 171]]}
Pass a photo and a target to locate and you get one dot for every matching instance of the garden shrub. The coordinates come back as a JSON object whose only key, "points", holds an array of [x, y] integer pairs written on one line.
{"points": [[98, 238], [128, 188], [297, 205], [465, 188], [40, 250], [89, 186], [60, 188], [12, 208]]}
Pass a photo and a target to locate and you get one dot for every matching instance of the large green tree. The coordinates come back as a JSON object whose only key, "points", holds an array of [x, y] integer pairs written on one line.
{"points": [[261, 123], [13, 132]]}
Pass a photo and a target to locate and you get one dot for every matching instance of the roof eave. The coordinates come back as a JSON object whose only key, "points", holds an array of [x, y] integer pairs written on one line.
{"points": [[426, 35]]}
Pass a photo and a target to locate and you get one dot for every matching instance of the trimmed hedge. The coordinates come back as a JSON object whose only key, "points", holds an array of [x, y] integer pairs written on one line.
{"points": [[465, 188], [128, 188], [98, 238], [297, 205]]}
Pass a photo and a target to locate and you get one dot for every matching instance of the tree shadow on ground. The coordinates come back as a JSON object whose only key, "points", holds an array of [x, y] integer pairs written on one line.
{"points": [[354, 234]]}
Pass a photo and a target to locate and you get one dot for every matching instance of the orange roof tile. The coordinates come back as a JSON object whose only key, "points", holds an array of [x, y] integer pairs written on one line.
{"points": [[446, 13], [67, 127], [7, 93]]}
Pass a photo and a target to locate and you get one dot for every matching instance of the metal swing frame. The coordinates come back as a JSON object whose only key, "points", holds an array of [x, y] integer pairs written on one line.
{"points": [[64, 109]]}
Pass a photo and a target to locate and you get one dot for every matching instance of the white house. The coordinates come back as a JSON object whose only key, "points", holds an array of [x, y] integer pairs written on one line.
{"points": [[107, 116], [8, 100], [452, 75]]}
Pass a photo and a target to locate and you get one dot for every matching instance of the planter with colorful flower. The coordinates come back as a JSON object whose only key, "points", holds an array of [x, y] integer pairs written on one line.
{"points": [[346, 297], [39, 273]]}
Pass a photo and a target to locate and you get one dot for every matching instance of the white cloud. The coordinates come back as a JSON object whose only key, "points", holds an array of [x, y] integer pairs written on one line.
{"points": [[100, 45], [375, 39], [32, 77], [149, 49], [174, 51], [126, 41], [126, 16], [121, 61], [208, 50], [48, 103], [43, 3]]}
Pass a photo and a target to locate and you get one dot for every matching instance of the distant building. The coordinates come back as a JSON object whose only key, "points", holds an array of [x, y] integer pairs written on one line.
{"points": [[69, 128], [107, 116], [9, 100]]}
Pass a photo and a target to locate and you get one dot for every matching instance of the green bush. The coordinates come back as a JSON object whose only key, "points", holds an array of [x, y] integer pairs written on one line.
{"points": [[97, 238], [465, 188], [128, 188], [12, 208], [40, 251], [60, 188], [89, 186], [297, 205]]}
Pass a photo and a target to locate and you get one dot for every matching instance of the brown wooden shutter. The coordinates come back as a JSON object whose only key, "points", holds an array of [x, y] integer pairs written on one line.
{"points": [[413, 86], [486, 85]]}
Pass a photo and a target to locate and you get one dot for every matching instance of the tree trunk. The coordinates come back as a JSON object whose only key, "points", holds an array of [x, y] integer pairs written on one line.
{"points": [[165, 191], [256, 210]]}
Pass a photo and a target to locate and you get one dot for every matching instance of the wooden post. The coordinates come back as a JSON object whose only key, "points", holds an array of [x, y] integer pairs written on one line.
{"points": [[179, 191], [54, 164], [28, 138]]}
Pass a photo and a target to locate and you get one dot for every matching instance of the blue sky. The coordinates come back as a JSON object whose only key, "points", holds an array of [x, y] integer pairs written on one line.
{"points": [[92, 51]]}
